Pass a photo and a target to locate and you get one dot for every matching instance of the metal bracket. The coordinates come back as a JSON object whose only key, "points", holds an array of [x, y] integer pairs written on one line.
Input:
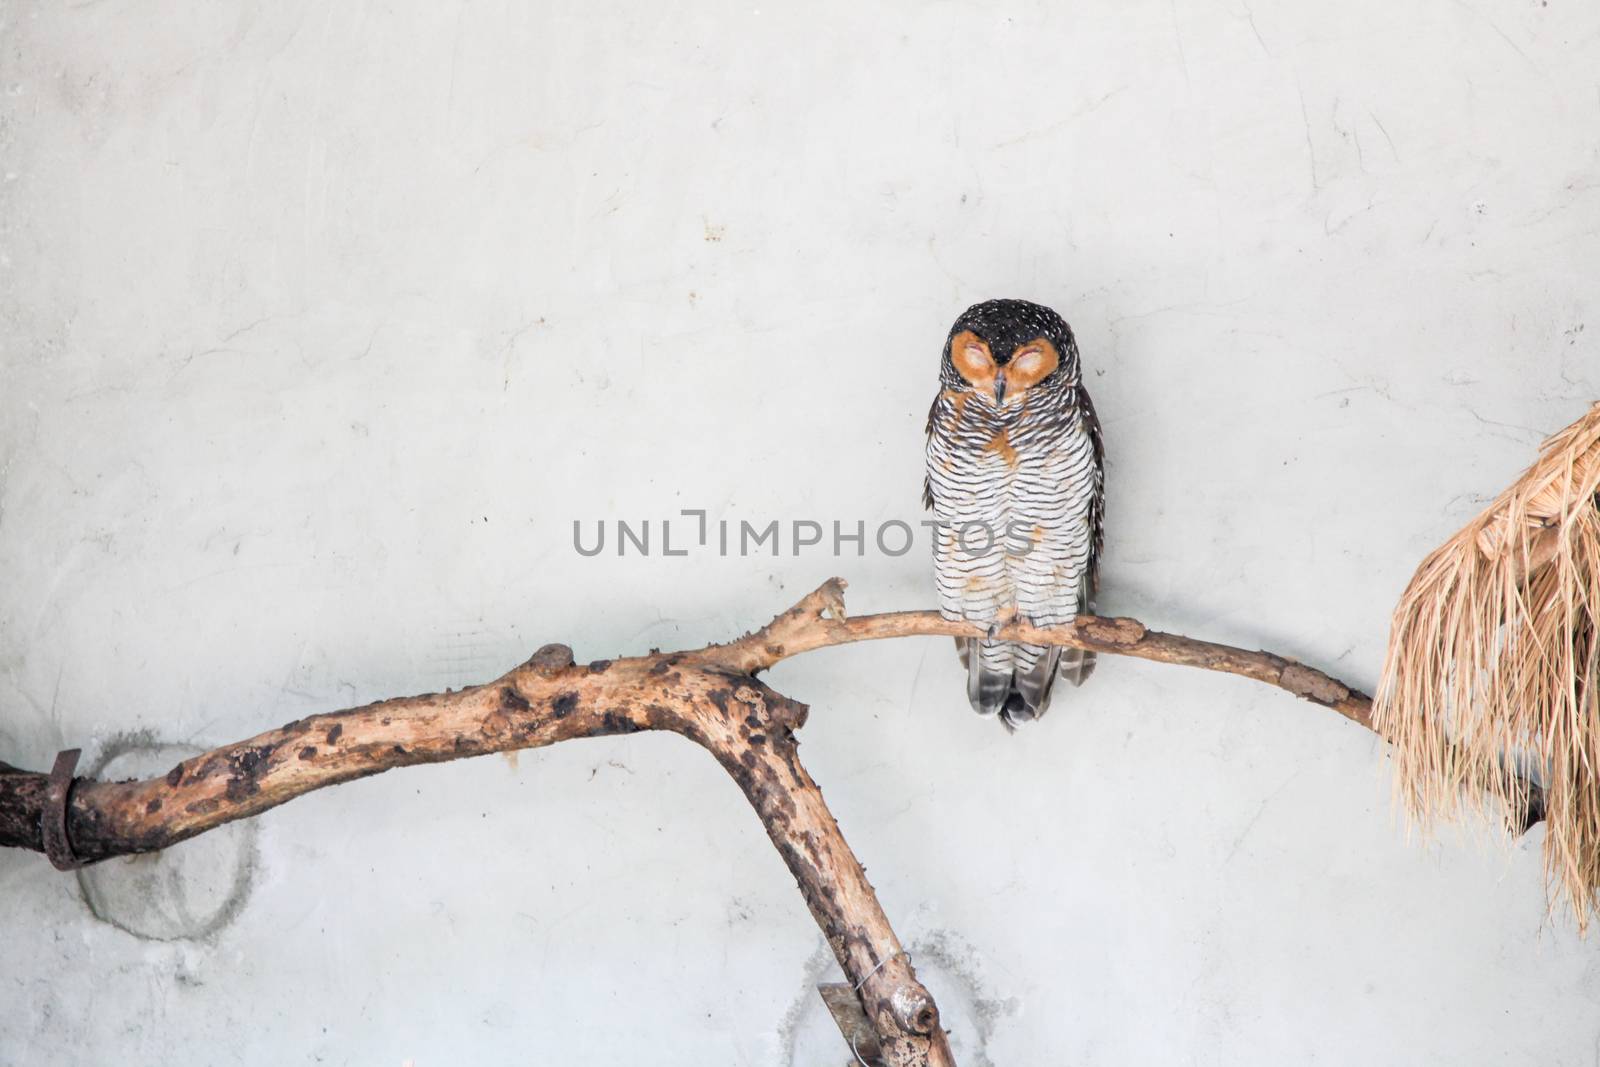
{"points": [[57, 845], [845, 1007]]}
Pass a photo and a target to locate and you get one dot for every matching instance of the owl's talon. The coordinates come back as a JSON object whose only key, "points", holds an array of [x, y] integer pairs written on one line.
{"points": [[994, 631]]}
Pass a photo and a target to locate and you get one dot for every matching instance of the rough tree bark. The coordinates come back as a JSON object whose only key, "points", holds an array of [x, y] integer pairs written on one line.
{"points": [[709, 695]]}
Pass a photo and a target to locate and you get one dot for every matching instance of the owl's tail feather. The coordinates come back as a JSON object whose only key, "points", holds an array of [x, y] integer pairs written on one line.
{"points": [[1031, 684], [1077, 665], [989, 673], [1015, 681]]}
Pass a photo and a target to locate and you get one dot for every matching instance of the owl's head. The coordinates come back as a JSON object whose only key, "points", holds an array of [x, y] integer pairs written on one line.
{"points": [[1003, 349]]}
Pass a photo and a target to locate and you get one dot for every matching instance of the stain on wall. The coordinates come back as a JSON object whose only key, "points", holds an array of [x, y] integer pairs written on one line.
{"points": [[184, 893], [971, 1011]]}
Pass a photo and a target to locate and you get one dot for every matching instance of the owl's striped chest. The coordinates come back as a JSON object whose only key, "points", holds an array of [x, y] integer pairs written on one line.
{"points": [[987, 463]]}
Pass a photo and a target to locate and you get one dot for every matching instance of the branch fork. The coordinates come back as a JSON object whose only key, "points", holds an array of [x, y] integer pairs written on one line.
{"points": [[710, 695]]}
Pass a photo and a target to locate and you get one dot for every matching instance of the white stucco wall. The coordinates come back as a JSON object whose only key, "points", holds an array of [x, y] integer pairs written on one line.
{"points": [[322, 322]]}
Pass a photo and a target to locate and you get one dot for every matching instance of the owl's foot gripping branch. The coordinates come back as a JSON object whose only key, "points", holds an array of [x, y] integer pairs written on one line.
{"points": [[709, 695]]}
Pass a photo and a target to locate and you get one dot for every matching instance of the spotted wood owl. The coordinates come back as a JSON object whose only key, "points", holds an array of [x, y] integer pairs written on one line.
{"points": [[1016, 482]]}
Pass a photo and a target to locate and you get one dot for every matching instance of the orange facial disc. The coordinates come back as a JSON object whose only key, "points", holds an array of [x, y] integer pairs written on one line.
{"points": [[973, 360]]}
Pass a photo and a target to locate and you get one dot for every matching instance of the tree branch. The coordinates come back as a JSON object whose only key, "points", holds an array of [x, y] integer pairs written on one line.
{"points": [[819, 621], [708, 695]]}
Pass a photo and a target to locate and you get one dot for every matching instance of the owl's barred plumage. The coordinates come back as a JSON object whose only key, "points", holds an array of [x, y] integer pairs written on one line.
{"points": [[1016, 480]]}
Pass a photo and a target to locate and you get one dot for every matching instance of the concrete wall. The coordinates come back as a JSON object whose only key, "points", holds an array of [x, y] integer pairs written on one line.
{"points": [[323, 322]]}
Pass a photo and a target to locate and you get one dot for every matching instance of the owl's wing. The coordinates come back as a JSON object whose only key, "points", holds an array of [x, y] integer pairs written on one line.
{"points": [[1097, 504], [927, 431], [1075, 665]]}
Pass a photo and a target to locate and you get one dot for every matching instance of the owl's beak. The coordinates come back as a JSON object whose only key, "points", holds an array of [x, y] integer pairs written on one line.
{"points": [[1000, 388]]}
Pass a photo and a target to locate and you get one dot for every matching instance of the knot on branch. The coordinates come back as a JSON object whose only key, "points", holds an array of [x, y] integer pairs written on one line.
{"points": [[1312, 685], [829, 599], [760, 707], [1120, 632], [551, 657], [911, 1008]]}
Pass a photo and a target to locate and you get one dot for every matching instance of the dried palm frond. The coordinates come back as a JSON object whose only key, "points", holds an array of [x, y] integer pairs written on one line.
{"points": [[1493, 668]]}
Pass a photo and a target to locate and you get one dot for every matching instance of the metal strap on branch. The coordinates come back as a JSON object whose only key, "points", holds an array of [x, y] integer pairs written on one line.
{"points": [[57, 845]]}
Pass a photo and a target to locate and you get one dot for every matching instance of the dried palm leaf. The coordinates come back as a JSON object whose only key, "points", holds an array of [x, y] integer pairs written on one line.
{"points": [[1493, 668]]}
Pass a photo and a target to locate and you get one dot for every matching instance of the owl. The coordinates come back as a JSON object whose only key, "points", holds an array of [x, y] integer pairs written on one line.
{"points": [[1016, 483]]}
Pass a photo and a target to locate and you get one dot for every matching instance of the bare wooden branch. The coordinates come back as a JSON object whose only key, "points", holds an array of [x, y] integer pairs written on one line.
{"points": [[742, 722], [548, 699], [709, 695], [819, 621]]}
